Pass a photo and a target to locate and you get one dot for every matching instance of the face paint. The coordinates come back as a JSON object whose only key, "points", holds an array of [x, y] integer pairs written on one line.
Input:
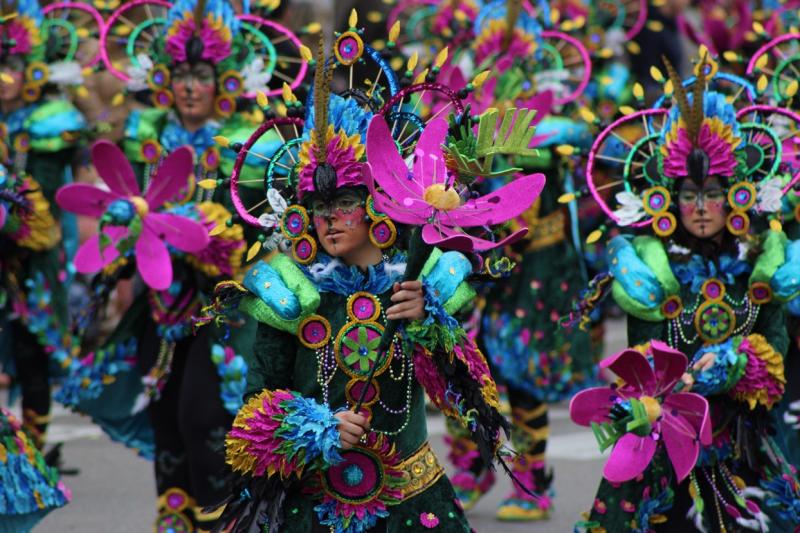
{"points": [[703, 212]]}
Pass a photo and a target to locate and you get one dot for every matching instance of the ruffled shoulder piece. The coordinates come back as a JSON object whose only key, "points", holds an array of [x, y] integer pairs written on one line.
{"points": [[237, 130], [779, 267], [54, 126], [643, 280], [445, 274], [142, 130], [280, 294]]}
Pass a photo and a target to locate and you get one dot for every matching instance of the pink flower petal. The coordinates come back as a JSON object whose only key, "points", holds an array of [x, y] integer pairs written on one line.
{"points": [[171, 177], [89, 259], [669, 365], [682, 447], [113, 167], [3, 213], [153, 261], [450, 240], [634, 370], [429, 163], [694, 408], [84, 199], [387, 166], [592, 405], [629, 458], [507, 202], [183, 233], [400, 213]]}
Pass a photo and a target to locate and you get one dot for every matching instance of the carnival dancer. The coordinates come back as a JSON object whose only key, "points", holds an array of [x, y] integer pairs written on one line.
{"points": [[154, 385], [529, 352], [332, 435], [41, 132], [29, 487], [709, 282]]}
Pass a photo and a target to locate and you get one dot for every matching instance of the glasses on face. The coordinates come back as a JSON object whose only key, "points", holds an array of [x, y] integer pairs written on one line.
{"points": [[344, 205], [688, 197], [203, 76]]}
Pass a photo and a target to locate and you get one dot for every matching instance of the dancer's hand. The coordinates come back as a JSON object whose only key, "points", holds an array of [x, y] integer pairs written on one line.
{"points": [[705, 362], [352, 427], [409, 302], [687, 382]]}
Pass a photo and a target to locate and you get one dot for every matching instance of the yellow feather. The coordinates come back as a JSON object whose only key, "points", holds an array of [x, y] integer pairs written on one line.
{"points": [[118, 99], [762, 83], [207, 184], [731, 56], [305, 53], [216, 230], [656, 74], [565, 149], [421, 77], [353, 20], [626, 110], [594, 236], [638, 91], [791, 89], [655, 25], [566, 198], [758, 27], [587, 115], [441, 57], [412, 62], [634, 48], [762, 61], [253, 251], [314, 27], [775, 225], [262, 100], [394, 32], [478, 80], [222, 140]]}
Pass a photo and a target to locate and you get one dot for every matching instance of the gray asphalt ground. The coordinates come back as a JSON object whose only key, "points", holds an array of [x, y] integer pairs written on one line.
{"points": [[115, 491]]}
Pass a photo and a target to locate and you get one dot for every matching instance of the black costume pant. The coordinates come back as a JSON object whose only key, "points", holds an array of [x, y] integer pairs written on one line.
{"points": [[189, 420], [33, 375]]}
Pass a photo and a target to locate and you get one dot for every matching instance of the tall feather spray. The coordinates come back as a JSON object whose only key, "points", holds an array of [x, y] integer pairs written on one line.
{"points": [[323, 76], [513, 10], [199, 10]]}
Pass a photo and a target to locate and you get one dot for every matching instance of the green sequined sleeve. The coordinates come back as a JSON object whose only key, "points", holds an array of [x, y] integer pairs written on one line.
{"points": [[643, 331], [270, 365]]}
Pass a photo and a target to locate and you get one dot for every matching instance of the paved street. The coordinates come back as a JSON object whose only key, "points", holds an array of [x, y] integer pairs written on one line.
{"points": [[114, 491]]}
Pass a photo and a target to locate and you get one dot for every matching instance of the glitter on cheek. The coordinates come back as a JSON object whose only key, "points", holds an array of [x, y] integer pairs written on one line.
{"points": [[688, 210], [716, 207], [351, 220]]}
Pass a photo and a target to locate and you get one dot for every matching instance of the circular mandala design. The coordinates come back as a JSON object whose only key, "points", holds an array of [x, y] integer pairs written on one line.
{"points": [[355, 388], [314, 332], [356, 349], [363, 307], [714, 322], [348, 48], [358, 479]]}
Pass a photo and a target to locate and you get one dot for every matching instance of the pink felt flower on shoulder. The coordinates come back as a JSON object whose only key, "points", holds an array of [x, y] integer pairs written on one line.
{"points": [[426, 195], [643, 412], [130, 219]]}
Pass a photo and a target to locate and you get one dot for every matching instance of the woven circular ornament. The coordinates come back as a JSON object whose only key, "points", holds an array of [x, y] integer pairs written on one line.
{"points": [[314, 332], [742, 196]]}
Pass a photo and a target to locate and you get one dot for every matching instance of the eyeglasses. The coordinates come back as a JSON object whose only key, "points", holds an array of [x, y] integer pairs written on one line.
{"points": [[689, 197], [343, 205], [200, 75]]}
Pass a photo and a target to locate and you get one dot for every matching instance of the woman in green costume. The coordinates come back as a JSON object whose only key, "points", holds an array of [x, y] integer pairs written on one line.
{"points": [[709, 286], [41, 132], [333, 435], [153, 384]]}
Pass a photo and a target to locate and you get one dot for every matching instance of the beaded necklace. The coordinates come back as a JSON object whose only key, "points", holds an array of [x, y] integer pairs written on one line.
{"points": [[714, 317]]}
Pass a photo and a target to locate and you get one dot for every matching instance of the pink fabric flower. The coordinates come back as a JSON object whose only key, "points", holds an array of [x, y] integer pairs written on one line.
{"points": [[679, 420], [19, 32], [157, 228], [425, 195], [720, 152], [429, 520]]}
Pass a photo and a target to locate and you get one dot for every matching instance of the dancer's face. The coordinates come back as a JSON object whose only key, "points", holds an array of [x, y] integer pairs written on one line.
{"points": [[11, 87], [341, 225], [703, 211], [194, 87]]}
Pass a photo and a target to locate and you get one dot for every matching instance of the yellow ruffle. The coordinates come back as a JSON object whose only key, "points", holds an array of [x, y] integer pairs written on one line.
{"points": [[216, 213], [774, 362], [44, 233]]}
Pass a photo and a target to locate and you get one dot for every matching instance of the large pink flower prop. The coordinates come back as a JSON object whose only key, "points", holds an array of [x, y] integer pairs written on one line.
{"points": [[425, 195], [678, 419], [123, 203]]}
